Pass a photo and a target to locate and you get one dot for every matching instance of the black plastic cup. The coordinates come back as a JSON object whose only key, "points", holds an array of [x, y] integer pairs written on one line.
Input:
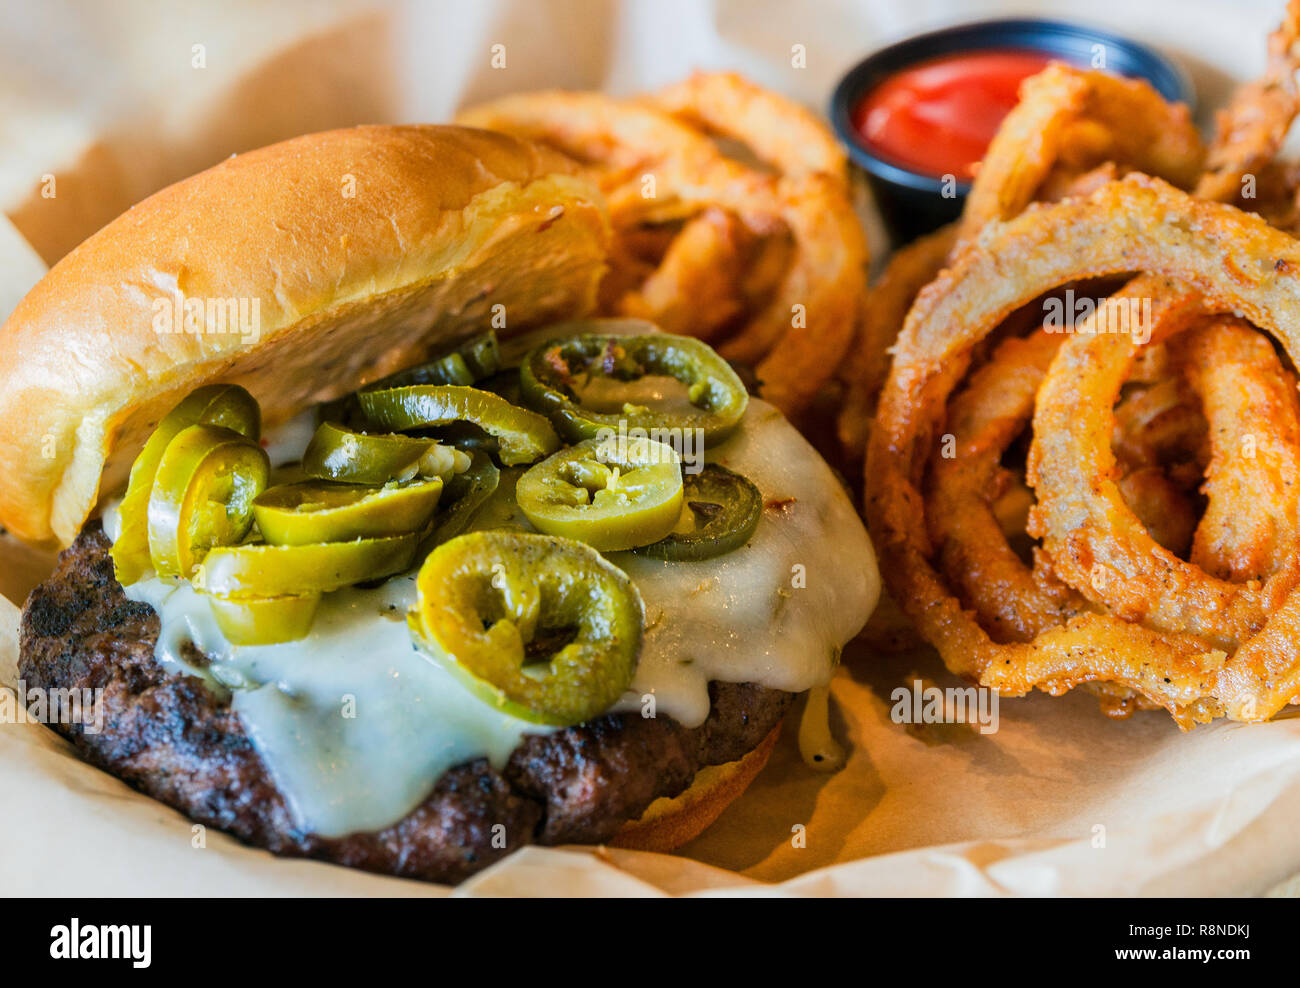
{"points": [[912, 202]]}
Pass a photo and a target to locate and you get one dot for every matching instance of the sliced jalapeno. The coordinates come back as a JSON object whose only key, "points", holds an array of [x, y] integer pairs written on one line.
{"points": [[482, 355], [472, 361], [501, 508], [722, 509], [610, 493], [321, 511], [264, 620], [543, 628], [202, 496], [226, 405], [338, 453], [523, 436], [291, 570], [465, 493], [551, 374]]}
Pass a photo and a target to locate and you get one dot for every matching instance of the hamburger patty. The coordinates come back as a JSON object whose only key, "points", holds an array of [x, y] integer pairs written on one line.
{"points": [[175, 740]]}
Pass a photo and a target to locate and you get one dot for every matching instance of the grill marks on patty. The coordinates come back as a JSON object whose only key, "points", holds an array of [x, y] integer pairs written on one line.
{"points": [[170, 737]]}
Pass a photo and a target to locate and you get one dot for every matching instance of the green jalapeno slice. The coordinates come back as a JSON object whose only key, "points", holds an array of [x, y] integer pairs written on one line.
{"points": [[264, 620], [339, 453], [551, 374], [523, 436], [722, 509], [226, 405], [202, 496], [259, 570], [465, 494], [611, 493], [472, 361], [543, 628], [322, 511]]}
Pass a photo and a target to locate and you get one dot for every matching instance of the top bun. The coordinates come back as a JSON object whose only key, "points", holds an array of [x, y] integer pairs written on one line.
{"points": [[300, 271]]}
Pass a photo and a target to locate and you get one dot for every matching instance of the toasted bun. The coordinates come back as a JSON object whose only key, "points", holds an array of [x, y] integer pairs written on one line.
{"points": [[669, 823], [351, 252]]}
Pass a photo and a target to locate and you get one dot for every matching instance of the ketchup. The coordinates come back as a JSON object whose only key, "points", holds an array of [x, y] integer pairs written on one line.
{"points": [[938, 116]]}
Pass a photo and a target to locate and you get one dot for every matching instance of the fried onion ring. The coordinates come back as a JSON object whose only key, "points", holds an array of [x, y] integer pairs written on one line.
{"points": [[1237, 263], [799, 336], [1249, 528], [696, 287], [1081, 119], [779, 131], [1096, 542], [1013, 603], [1250, 130], [910, 269]]}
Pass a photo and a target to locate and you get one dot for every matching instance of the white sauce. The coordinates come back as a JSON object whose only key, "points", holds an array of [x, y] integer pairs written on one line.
{"points": [[355, 725]]}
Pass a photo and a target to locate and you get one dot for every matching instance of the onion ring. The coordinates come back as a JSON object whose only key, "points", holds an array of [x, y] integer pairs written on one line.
{"points": [[1249, 528], [910, 269], [969, 539], [799, 337], [1255, 123], [779, 131], [1161, 506], [695, 289], [1131, 125], [1238, 263], [1095, 540]]}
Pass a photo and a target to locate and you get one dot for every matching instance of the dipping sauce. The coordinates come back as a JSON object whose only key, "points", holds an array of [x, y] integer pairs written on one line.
{"points": [[938, 116]]}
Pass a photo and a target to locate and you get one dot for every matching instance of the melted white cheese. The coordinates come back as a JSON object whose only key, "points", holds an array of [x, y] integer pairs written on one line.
{"points": [[353, 723], [774, 612], [356, 726]]}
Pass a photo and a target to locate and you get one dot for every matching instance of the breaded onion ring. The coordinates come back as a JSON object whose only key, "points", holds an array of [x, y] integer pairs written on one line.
{"points": [[1127, 123], [696, 289], [910, 269], [778, 130], [1237, 263], [1249, 131], [1249, 528], [970, 545], [1096, 541], [800, 335]]}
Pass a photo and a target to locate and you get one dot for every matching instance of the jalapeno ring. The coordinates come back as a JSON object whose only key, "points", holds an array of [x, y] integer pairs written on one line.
{"points": [[523, 436], [202, 496], [715, 390], [722, 510], [543, 628], [611, 493], [264, 620], [226, 405], [260, 570], [465, 494], [474, 360], [339, 453], [322, 511]]}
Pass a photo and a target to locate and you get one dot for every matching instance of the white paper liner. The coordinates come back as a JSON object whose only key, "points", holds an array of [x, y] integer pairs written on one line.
{"points": [[934, 811]]}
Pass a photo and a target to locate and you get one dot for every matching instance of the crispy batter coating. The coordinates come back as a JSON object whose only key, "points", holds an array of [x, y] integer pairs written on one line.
{"points": [[1214, 257], [789, 309]]}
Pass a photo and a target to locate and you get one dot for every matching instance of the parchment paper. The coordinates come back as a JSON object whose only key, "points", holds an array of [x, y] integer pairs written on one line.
{"points": [[107, 99]]}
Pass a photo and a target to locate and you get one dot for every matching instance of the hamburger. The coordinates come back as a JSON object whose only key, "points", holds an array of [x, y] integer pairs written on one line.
{"points": [[376, 550]]}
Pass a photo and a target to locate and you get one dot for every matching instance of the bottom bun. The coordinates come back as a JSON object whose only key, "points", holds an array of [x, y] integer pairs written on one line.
{"points": [[667, 824]]}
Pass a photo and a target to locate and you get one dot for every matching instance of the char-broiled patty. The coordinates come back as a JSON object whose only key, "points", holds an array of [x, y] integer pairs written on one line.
{"points": [[172, 738]]}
